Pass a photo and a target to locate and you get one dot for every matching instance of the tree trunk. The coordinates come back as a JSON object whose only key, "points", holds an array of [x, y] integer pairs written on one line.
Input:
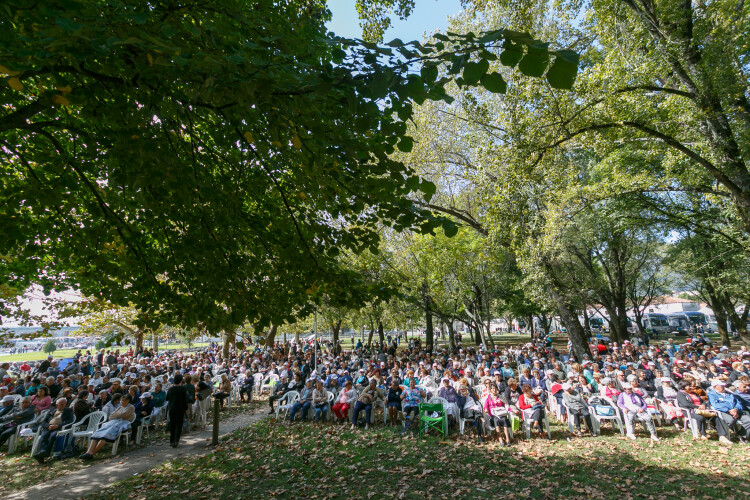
{"points": [[271, 336], [369, 336], [451, 334], [720, 311], [570, 320], [429, 331], [139, 339], [544, 321], [740, 324], [155, 342], [335, 329]]}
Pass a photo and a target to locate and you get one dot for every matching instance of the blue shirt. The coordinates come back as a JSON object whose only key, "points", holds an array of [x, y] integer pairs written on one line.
{"points": [[723, 402]]}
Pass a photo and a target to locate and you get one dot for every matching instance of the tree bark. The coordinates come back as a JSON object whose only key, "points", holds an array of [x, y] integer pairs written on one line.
{"points": [[451, 334], [335, 329], [155, 342], [271, 336], [720, 311], [570, 320], [381, 333]]}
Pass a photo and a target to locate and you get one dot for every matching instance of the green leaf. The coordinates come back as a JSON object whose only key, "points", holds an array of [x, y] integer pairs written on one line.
{"points": [[429, 73], [562, 73], [406, 144], [450, 228], [428, 188], [495, 83], [512, 53], [473, 71], [534, 62]]}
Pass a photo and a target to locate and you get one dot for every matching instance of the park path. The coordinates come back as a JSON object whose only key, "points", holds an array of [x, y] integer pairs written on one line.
{"points": [[106, 472]]}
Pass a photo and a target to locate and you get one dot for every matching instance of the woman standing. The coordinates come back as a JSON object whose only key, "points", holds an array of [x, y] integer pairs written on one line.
{"points": [[177, 401]]}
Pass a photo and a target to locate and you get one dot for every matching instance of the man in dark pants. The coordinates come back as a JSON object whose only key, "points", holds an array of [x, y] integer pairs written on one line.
{"points": [[10, 422], [177, 399], [278, 392], [52, 423]]}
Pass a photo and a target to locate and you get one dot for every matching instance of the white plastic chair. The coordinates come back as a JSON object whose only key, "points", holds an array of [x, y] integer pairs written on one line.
{"points": [[331, 397], [616, 417], [257, 381], [688, 420], [527, 428], [88, 425], [288, 399], [123, 432], [13, 440], [269, 383]]}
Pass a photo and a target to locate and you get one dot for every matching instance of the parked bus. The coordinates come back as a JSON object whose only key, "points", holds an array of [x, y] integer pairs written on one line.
{"points": [[657, 323]]}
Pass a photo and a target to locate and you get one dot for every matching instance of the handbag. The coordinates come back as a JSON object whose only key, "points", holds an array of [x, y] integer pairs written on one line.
{"points": [[515, 423], [604, 410]]}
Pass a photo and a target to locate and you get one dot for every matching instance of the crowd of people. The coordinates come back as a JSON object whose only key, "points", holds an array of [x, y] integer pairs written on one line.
{"points": [[127, 387], [692, 385]]}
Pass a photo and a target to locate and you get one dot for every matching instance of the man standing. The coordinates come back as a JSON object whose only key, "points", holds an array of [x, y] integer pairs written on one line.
{"points": [[177, 399]]}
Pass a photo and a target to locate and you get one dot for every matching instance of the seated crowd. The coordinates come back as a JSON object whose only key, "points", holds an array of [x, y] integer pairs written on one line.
{"points": [[123, 390], [693, 386]]}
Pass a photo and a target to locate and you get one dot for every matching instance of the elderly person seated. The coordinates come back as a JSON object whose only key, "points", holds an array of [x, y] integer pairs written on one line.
{"points": [[533, 399], [346, 398], [411, 397], [496, 412], [304, 402], [7, 403], [143, 409], [368, 396], [102, 400], [448, 393], [10, 422], [730, 409], [471, 409], [635, 408], [119, 421], [320, 402], [578, 408], [53, 421]]}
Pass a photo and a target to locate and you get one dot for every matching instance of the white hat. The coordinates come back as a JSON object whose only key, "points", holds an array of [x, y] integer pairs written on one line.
{"points": [[572, 374], [445, 379], [606, 381], [666, 379], [145, 395], [716, 382], [566, 386], [361, 370], [537, 390], [8, 398]]}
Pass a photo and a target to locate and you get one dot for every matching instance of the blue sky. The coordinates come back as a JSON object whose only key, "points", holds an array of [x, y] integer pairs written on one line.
{"points": [[428, 15]]}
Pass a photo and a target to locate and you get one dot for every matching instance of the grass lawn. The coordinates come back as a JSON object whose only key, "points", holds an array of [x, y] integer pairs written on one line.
{"points": [[69, 353], [328, 461], [22, 471]]}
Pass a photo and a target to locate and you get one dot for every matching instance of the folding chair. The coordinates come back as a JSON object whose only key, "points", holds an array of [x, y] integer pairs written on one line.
{"points": [[427, 421]]}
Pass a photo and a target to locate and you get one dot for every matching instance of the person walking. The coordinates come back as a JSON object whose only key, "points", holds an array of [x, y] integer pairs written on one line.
{"points": [[177, 401]]}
